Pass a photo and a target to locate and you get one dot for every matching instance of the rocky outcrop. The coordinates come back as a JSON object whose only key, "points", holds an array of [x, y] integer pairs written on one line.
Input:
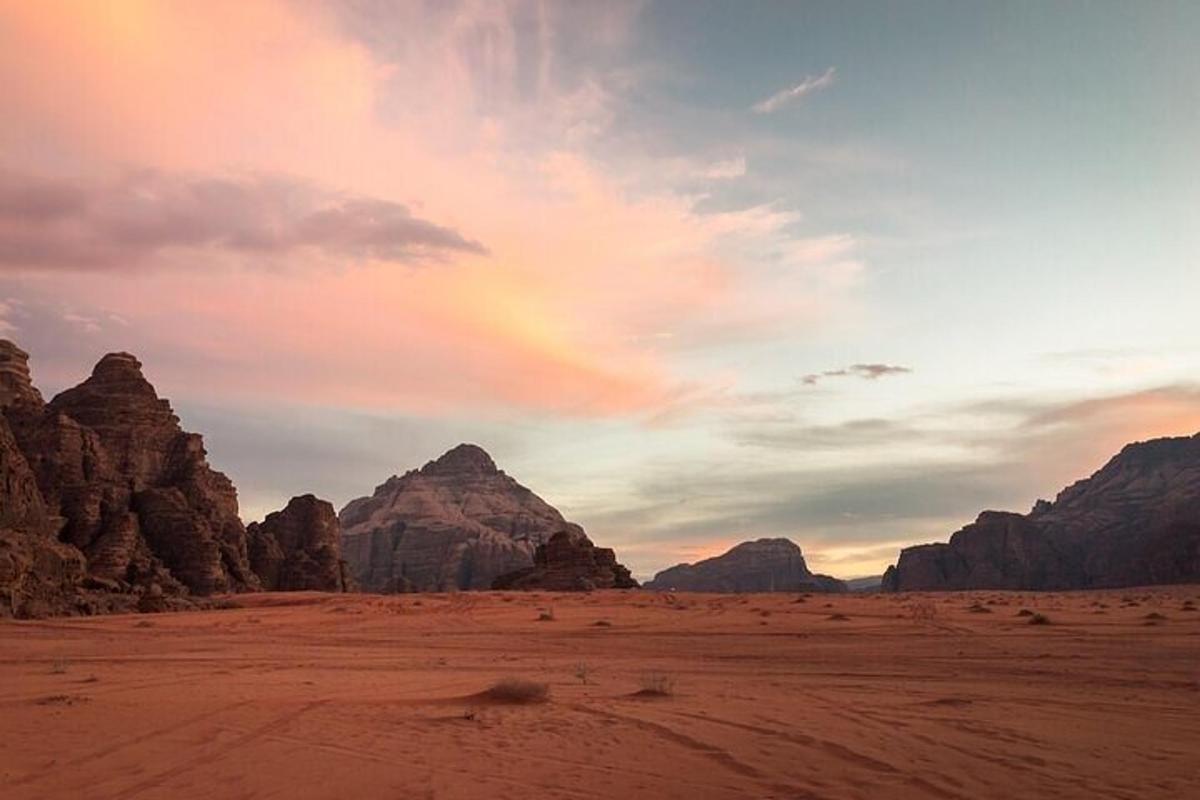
{"points": [[16, 386], [569, 563], [764, 565], [1135, 522], [457, 523], [129, 506], [299, 548]]}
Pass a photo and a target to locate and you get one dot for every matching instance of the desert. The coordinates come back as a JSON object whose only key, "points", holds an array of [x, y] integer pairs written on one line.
{"points": [[309, 695]]}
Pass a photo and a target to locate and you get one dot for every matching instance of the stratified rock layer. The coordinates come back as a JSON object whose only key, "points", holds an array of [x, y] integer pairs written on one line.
{"points": [[763, 565], [569, 563], [1135, 522], [457, 523], [298, 548]]}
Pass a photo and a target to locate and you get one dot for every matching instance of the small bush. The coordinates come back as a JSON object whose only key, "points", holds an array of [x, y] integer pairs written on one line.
{"points": [[1154, 616], [838, 618], [979, 608], [518, 691], [546, 615], [1039, 619], [1024, 612], [583, 672], [601, 623], [59, 667], [922, 611], [657, 684]]}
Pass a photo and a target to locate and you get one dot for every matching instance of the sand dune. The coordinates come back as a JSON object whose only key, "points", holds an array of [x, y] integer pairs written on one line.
{"points": [[324, 696]]}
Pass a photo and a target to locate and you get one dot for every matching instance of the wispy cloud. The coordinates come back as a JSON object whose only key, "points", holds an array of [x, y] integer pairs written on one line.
{"points": [[868, 372], [49, 224], [810, 84]]}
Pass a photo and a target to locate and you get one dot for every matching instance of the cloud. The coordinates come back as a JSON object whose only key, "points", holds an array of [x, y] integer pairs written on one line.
{"points": [[784, 97], [55, 224], [869, 372]]}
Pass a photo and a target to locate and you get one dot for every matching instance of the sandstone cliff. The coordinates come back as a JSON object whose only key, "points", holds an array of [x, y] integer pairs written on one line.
{"points": [[764, 565], [457, 523], [1135, 522], [569, 563], [107, 503], [299, 548]]}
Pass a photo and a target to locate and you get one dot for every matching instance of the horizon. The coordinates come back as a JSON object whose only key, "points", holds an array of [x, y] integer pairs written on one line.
{"points": [[695, 274]]}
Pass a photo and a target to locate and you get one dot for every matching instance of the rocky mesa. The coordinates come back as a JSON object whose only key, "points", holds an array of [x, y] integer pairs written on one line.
{"points": [[1134, 522], [459, 522], [763, 565]]}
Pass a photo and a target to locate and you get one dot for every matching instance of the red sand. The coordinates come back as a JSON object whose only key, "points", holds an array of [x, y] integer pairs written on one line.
{"points": [[326, 696]]}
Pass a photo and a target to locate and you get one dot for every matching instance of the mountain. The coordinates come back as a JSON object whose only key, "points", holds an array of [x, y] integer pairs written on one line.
{"points": [[456, 523], [109, 504], [763, 565], [1134, 522]]}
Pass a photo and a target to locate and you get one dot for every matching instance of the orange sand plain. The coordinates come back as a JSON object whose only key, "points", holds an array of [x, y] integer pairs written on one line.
{"points": [[327, 696]]}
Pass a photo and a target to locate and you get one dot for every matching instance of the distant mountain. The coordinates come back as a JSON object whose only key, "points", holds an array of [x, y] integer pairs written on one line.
{"points": [[1135, 522], [459, 522], [764, 565], [872, 583]]}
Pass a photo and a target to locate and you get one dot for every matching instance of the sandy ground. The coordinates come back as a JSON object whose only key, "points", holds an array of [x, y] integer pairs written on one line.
{"points": [[326, 696]]}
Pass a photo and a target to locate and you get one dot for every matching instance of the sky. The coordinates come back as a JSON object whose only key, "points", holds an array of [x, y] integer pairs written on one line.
{"points": [[695, 272]]}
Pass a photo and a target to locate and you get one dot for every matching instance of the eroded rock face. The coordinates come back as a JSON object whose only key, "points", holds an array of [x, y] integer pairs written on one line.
{"points": [[1135, 522], [569, 563], [127, 496], [39, 575], [299, 548], [764, 565], [16, 387], [457, 523]]}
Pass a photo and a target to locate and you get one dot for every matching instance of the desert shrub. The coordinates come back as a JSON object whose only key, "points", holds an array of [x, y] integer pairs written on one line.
{"points": [[978, 608], [583, 672], [546, 615], [838, 618], [1024, 612], [1154, 616], [922, 611], [59, 667], [1039, 619], [518, 691], [657, 684]]}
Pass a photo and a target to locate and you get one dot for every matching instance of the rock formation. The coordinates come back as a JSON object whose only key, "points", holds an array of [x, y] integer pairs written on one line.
{"points": [[299, 548], [764, 565], [107, 503], [1135, 522], [569, 563], [457, 523]]}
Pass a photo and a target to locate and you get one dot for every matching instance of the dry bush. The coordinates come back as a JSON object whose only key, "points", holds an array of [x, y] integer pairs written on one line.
{"points": [[59, 667], [546, 615], [1024, 612], [1039, 619], [583, 672], [922, 611], [518, 691], [657, 684]]}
